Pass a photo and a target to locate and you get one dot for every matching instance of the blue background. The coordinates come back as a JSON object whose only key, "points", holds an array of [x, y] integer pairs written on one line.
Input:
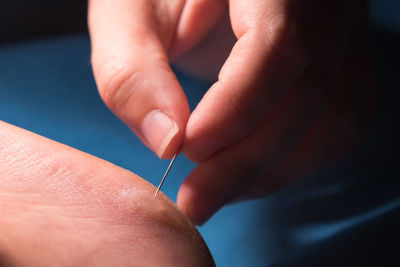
{"points": [[344, 216]]}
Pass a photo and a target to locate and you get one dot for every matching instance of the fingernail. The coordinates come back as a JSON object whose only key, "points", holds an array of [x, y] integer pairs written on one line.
{"points": [[158, 129]]}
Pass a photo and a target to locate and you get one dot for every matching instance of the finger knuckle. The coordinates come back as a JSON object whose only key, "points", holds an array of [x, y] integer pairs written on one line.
{"points": [[115, 93], [281, 32]]}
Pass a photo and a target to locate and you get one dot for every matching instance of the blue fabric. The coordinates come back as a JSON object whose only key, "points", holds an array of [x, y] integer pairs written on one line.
{"points": [[344, 216]]}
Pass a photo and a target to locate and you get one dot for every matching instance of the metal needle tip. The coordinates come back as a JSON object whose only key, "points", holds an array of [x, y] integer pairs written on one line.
{"points": [[165, 175]]}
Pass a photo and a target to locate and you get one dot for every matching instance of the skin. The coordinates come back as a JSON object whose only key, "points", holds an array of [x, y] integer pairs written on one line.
{"points": [[63, 207], [293, 87]]}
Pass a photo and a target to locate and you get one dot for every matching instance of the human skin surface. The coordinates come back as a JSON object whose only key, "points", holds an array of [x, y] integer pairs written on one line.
{"points": [[63, 207]]}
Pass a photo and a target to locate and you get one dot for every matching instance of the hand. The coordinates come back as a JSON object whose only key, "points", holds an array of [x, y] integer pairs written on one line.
{"points": [[294, 94], [62, 207]]}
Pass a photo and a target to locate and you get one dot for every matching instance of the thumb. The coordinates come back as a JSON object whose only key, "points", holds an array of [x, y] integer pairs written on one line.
{"points": [[132, 72]]}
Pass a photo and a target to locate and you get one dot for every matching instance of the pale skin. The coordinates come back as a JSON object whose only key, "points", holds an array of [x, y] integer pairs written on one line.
{"points": [[63, 207], [293, 91]]}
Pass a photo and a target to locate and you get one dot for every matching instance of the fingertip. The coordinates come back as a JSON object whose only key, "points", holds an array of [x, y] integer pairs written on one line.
{"points": [[186, 201], [197, 207], [199, 144], [161, 133], [171, 146], [153, 105]]}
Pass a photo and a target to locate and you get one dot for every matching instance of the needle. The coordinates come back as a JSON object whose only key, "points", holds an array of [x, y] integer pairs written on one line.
{"points": [[165, 175]]}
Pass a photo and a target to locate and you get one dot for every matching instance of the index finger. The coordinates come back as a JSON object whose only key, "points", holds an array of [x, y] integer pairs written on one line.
{"points": [[265, 61]]}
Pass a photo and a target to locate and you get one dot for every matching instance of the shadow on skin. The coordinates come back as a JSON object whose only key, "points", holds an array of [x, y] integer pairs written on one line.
{"points": [[64, 207]]}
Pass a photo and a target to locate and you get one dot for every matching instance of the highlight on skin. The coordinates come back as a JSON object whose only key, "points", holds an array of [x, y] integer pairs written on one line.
{"points": [[64, 207]]}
